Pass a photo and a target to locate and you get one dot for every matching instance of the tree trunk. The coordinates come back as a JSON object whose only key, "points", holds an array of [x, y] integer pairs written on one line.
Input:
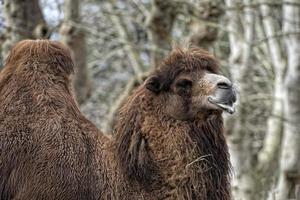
{"points": [[73, 36], [240, 138], [160, 24], [24, 20], [275, 124], [289, 177], [203, 32]]}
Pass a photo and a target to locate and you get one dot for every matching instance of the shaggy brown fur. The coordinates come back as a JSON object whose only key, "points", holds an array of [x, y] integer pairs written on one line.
{"points": [[167, 148], [164, 148], [47, 148]]}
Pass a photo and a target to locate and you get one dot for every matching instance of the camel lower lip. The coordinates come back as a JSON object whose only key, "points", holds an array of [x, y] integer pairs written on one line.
{"points": [[226, 107]]}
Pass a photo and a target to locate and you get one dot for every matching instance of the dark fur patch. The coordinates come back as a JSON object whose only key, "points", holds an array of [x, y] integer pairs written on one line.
{"points": [[212, 145], [132, 149]]}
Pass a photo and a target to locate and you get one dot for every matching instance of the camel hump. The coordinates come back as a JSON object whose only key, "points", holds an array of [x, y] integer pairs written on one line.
{"points": [[39, 53]]}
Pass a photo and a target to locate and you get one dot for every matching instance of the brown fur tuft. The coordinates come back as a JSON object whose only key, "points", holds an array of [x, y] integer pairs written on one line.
{"points": [[41, 52]]}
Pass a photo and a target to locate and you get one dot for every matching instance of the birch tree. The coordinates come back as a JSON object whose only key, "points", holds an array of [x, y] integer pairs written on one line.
{"points": [[240, 138], [289, 176], [275, 149], [274, 130]]}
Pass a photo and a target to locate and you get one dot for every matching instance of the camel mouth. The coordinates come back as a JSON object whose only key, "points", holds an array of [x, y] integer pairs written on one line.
{"points": [[224, 99], [228, 107]]}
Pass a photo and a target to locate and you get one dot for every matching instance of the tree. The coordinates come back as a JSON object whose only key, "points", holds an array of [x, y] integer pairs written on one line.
{"points": [[254, 168], [24, 20], [289, 175], [204, 23], [160, 24], [74, 37], [239, 137]]}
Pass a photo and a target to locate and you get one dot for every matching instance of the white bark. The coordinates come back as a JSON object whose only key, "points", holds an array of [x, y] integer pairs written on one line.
{"points": [[234, 28], [289, 178], [274, 129], [235, 53], [239, 139]]}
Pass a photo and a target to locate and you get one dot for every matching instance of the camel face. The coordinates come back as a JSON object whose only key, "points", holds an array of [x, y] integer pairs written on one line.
{"points": [[190, 85]]}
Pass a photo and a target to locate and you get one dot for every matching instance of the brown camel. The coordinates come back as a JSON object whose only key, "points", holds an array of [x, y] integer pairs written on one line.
{"points": [[168, 144]]}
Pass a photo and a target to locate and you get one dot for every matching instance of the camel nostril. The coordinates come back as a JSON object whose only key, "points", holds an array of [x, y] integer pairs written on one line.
{"points": [[224, 85]]}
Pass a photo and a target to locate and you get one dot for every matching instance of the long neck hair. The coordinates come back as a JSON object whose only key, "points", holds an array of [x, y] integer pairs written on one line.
{"points": [[198, 167], [210, 170]]}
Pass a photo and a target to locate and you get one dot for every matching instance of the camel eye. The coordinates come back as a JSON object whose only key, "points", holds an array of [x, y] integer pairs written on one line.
{"points": [[184, 84]]}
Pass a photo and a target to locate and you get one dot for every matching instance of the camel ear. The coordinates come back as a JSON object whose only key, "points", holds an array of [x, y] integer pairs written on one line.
{"points": [[153, 83]]}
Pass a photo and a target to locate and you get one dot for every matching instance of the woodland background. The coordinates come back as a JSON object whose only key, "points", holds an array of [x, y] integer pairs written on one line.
{"points": [[115, 43]]}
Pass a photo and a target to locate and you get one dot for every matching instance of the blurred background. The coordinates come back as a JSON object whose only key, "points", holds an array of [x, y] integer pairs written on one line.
{"points": [[115, 43]]}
